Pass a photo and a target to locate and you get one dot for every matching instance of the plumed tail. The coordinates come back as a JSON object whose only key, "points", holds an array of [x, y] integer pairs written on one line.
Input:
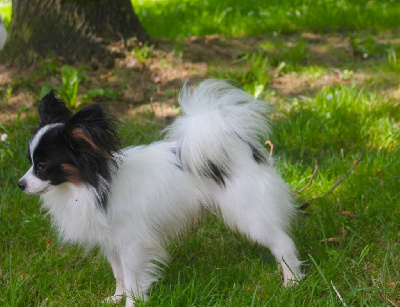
{"points": [[218, 121]]}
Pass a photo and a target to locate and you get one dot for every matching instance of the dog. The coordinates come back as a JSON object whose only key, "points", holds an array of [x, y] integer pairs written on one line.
{"points": [[132, 202]]}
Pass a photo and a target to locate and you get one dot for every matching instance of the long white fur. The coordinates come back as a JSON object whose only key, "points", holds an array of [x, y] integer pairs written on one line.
{"points": [[152, 199], [217, 118]]}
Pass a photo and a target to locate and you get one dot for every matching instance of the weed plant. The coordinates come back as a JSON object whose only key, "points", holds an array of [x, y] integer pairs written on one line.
{"points": [[71, 79]]}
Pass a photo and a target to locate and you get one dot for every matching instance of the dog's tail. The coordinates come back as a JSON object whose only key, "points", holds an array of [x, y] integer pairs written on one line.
{"points": [[219, 122]]}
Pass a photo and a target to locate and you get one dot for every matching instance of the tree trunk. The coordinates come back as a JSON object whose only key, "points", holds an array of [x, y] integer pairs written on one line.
{"points": [[76, 30]]}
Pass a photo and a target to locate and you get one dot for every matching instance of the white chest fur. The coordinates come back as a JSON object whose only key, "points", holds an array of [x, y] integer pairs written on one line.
{"points": [[74, 213]]}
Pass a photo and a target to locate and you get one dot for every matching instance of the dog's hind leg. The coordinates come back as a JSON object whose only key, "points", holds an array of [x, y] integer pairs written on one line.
{"points": [[284, 251], [280, 245], [260, 208]]}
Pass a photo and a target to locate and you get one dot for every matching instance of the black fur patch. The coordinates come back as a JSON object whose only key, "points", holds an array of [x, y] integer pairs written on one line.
{"points": [[257, 155], [177, 153], [53, 110], [210, 170], [218, 174]]}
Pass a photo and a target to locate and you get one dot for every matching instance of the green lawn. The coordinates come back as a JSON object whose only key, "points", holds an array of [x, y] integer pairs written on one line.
{"points": [[348, 239], [179, 18]]}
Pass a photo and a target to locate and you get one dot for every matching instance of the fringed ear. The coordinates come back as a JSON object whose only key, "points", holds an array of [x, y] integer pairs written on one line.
{"points": [[94, 140], [53, 110], [96, 128]]}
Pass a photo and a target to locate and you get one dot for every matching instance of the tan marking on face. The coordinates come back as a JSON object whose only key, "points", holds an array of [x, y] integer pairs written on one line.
{"points": [[72, 173]]}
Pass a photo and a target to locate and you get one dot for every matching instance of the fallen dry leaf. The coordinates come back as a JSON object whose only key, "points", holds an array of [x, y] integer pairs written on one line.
{"points": [[330, 240], [348, 213]]}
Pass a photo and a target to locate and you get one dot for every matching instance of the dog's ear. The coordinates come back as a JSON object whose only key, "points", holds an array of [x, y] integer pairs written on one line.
{"points": [[94, 127], [53, 110], [94, 140]]}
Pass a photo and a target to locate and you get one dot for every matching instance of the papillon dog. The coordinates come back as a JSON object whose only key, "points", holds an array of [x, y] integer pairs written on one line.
{"points": [[130, 202]]}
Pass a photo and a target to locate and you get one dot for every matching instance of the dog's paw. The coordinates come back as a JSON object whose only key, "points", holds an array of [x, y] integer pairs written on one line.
{"points": [[291, 283], [113, 299], [292, 280]]}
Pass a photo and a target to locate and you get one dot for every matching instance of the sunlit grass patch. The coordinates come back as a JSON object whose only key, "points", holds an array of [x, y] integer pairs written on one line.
{"points": [[341, 117], [254, 17], [176, 18], [5, 12], [315, 72]]}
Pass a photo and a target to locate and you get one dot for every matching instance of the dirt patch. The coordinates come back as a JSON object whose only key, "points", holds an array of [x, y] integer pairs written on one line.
{"points": [[154, 81], [293, 85]]}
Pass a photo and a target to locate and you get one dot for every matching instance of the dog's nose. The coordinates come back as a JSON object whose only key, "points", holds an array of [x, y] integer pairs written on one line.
{"points": [[22, 184]]}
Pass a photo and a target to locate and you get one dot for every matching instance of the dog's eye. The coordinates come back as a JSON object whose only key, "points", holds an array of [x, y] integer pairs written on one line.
{"points": [[40, 167]]}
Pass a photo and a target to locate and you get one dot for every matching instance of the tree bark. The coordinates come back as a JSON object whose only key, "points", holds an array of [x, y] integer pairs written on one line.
{"points": [[76, 30]]}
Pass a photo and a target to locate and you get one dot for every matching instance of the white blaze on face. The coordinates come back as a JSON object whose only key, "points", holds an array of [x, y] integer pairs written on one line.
{"points": [[35, 140], [33, 184]]}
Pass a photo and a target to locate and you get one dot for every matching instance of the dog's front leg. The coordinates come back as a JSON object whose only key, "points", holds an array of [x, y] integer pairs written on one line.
{"points": [[115, 261], [140, 270]]}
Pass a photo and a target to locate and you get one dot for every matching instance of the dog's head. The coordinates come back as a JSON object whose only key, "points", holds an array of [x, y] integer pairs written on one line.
{"points": [[76, 148]]}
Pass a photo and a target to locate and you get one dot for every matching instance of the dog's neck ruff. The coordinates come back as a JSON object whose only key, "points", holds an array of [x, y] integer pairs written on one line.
{"points": [[75, 213]]}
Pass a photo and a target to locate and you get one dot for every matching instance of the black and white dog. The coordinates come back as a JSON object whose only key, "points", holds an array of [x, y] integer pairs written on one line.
{"points": [[131, 202]]}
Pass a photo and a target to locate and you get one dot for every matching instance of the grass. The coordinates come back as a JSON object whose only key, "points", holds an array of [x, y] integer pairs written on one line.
{"points": [[348, 239], [5, 12], [182, 18], [258, 17]]}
